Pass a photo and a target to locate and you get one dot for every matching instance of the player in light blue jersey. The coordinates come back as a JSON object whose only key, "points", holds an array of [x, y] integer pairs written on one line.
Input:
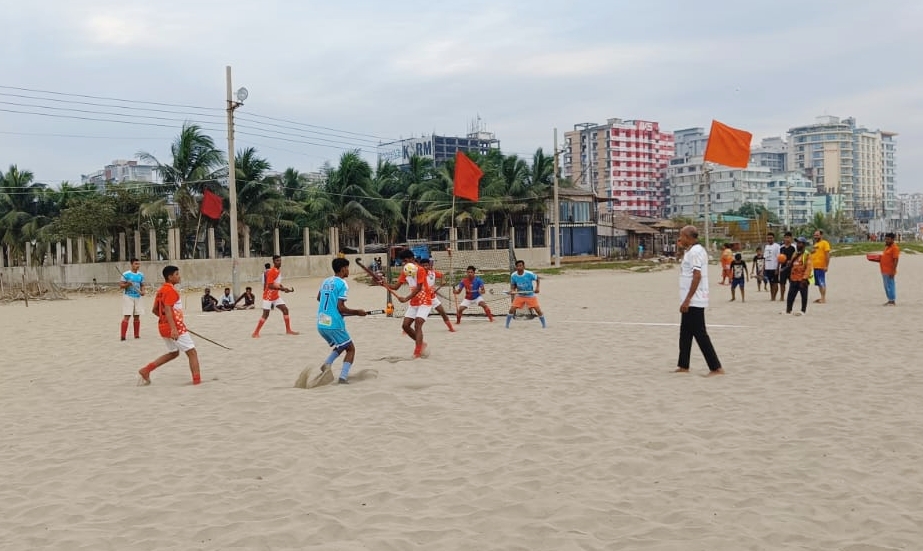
{"points": [[133, 287], [524, 285], [331, 324]]}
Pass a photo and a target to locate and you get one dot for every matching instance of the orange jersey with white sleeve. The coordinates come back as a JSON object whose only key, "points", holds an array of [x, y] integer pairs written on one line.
{"points": [[168, 296]]}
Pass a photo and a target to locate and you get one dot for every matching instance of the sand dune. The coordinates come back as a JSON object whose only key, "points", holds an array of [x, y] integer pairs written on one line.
{"points": [[573, 437]]}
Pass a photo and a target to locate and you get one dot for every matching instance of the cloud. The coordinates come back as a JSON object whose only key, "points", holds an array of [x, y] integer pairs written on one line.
{"points": [[411, 66]]}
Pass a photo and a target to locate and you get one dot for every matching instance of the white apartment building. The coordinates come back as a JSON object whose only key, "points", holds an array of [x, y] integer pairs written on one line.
{"points": [[911, 206], [772, 153], [728, 188], [623, 162], [791, 198], [841, 158], [120, 171]]}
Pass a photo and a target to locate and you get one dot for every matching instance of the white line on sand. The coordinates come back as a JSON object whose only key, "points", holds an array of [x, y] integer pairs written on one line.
{"points": [[650, 324]]}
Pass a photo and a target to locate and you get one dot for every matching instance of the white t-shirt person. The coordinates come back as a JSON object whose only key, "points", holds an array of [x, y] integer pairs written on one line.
{"points": [[695, 259], [771, 254]]}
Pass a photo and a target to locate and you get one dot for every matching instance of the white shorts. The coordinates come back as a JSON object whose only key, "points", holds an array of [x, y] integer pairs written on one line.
{"points": [[421, 311], [436, 303], [131, 306], [183, 343], [267, 304], [473, 302]]}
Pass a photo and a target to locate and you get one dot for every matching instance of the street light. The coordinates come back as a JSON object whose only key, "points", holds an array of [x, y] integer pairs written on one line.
{"points": [[241, 95]]}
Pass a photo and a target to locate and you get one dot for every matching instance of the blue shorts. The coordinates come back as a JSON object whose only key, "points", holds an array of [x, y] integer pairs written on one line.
{"points": [[338, 339], [820, 277], [737, 282]]}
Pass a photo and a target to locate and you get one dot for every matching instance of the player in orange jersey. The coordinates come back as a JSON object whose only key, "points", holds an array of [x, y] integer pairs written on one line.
{"points": [[169, 311], [419, 298], [271, 298]]}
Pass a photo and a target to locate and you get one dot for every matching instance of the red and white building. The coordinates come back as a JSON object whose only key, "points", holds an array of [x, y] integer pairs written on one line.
{"points": [[623, 162]]}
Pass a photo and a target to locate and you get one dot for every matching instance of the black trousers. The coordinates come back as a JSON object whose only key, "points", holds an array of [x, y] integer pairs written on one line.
{"points": [[793, 290], [692, 325]]}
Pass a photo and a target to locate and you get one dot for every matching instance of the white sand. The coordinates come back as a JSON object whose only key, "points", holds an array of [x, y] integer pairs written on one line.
{"points": [[575, 437]]}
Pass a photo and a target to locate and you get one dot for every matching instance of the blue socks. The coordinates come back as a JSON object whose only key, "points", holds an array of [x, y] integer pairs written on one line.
{"points": [[332, 357], [509, 318], [344, 373], [542, 319]]}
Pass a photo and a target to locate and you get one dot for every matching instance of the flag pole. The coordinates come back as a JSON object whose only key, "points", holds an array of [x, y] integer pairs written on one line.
{"points": [[195, 244], [707, 201]]}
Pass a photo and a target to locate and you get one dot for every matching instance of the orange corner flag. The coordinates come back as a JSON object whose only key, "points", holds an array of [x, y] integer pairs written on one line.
{"points": [[728, 146], [467, 176]]}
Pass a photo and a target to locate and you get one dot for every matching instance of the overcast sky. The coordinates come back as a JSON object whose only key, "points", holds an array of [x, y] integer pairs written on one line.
{"points": [[371, 70]]}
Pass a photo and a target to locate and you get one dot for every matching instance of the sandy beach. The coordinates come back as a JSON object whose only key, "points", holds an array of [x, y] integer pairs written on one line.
{"points": [[578, 436]]}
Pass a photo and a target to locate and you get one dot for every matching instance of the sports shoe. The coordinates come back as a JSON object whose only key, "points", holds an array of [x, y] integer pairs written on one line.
{"points": [[342, 382]]}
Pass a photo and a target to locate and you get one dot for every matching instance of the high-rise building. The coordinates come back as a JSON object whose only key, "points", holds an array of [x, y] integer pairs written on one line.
{"points": [[791, 198], [841, 158], [623, 162], [772, 153]]}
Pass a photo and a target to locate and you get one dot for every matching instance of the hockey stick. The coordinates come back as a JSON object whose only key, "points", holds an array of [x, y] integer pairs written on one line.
{"points": [[376, 279], [204, 338]]}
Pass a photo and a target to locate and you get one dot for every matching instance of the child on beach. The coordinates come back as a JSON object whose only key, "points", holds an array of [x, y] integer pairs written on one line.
{"points": [[756, 269], [738, 277]]}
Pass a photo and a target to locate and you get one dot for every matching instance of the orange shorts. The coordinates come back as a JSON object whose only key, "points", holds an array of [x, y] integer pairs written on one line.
{"points": [[525, 302]]}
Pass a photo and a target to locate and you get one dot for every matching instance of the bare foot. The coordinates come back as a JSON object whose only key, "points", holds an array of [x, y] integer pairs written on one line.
{"points": [[820, 301], [292, 333], [255, 335], [732, 300], [681, 370], [145, 377], [716, 372]]}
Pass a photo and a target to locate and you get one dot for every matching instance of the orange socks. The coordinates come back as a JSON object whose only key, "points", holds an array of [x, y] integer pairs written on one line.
{"points": [[124, 329], [259, 325], [288, 323], [137, 329]]}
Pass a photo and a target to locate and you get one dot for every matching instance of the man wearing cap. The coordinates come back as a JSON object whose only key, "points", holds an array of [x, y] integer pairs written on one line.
{"points": [[799, 274], [888, 262]]}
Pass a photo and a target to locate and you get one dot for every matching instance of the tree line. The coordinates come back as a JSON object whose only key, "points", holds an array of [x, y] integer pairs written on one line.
{"points": [[392, 204]]}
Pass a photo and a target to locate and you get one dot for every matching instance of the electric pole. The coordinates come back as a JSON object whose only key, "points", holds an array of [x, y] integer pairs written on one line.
{"points": [[232, 181], [557, 207]]}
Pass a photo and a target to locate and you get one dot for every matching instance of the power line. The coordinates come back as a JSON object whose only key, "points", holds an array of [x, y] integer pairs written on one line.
{"points": [[321, 127], [94, 104], [243, 117], [137, 123], [81, 136], [111, 99], [92, 112]]}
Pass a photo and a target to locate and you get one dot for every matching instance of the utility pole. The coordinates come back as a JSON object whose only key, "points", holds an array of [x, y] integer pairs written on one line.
{"points": [[788, 205], [232, 182], [705, 170], [557, 207]]}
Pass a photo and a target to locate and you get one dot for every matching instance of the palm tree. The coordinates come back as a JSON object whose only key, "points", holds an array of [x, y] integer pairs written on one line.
{"points": [[388, 184], [292, 184], [416, 180], [441, 209], [20, 219], [348, 195], [261, 205], [196, 163]]}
